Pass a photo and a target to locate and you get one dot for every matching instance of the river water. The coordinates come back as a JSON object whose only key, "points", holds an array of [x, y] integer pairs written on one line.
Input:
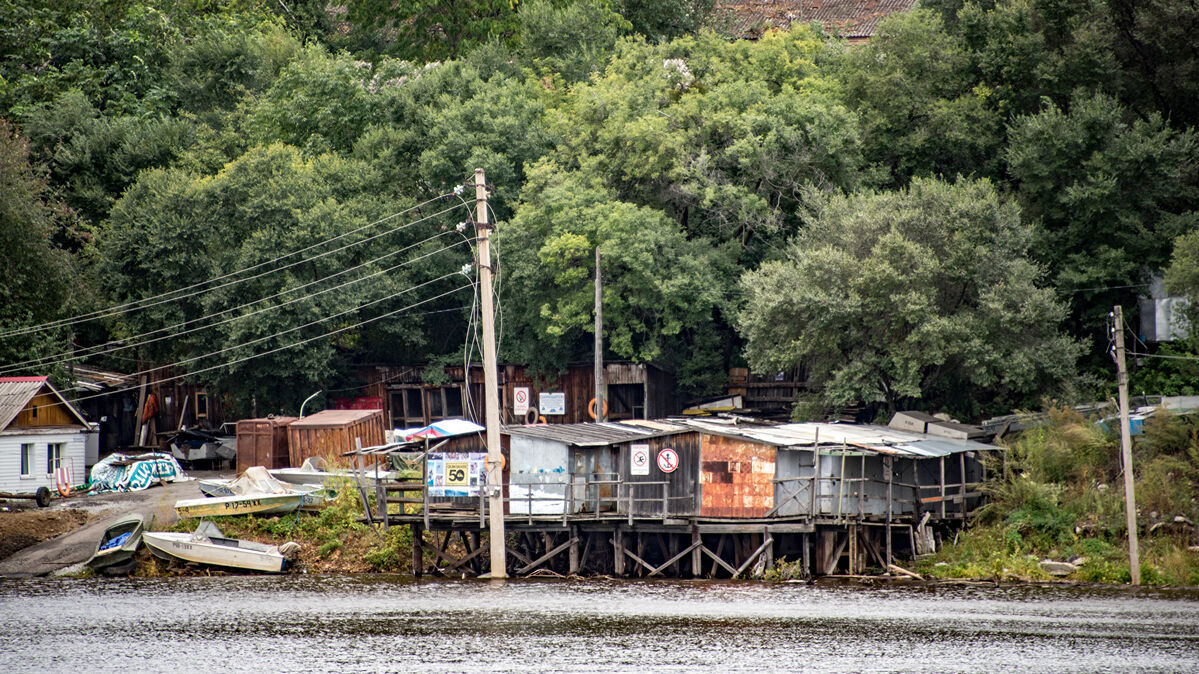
{"points": [[310, 623]]}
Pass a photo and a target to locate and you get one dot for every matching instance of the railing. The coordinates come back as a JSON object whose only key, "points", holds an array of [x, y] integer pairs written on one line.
{"points": [[839, 497]]}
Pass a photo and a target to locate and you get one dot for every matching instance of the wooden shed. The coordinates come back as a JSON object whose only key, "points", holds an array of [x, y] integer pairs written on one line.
{"points": [[263, 442], [332, 433]]}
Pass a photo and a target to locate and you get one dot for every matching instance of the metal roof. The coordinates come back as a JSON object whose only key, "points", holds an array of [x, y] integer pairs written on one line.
{"points": [[851, 18], [16, 392], [880, 439], [596, 434]]}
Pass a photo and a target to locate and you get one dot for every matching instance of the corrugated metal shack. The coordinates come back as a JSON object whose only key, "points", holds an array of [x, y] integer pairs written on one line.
{"points": [[577, 468], [758, 470], [707, 497]]}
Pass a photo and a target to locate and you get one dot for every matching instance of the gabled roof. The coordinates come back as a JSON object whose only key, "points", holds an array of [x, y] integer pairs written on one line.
{"points": [[16, 392], [850, 18]]}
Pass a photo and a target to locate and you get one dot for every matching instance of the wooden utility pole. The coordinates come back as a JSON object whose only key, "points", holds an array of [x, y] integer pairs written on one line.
{"points": [[495, 473], [1130, 501], [599, 341]]}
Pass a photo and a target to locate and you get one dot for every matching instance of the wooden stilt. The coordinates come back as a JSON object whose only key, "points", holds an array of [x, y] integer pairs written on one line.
{"points": [[418, 556]]}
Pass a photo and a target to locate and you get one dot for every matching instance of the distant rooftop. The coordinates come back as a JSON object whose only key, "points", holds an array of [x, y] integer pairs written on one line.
{"points": [[852, 19]]}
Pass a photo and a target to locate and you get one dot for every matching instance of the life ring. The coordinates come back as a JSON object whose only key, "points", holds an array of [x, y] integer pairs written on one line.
{"points": [[531, 416], [63, 478], [591, 409]]}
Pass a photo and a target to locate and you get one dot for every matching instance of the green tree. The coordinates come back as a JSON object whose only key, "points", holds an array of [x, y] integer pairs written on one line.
{"points": [[923, 111], [37, 282], [922, 294], [174, 230], [658, 285], [1111, 192]]}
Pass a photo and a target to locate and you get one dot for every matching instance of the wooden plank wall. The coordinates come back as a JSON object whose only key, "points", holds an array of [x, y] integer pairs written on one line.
{"points": [[49, 412], [683, 481], [331, 442]]}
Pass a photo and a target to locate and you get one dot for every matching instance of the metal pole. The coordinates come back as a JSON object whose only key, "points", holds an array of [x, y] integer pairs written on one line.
{"points": [[1130, 501], [495, 475]]}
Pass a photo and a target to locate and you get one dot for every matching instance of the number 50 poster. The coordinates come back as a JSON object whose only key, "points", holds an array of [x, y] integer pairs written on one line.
{"points": [[457, 473]]}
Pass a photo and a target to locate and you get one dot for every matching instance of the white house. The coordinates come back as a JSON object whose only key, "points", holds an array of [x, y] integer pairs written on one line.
{"points": [[42, 437]]}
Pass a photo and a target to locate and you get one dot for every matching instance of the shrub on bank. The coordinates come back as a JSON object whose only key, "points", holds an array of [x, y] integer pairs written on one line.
{"points": [[1059, 495]]}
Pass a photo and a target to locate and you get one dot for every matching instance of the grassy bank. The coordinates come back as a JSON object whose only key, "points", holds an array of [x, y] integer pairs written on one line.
{"points": [[1060, 496], [333, 540]]}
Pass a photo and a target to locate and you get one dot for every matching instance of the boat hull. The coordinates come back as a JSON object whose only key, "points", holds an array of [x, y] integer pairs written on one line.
{"points": [[118, 559], [257, 504], [224, 552]]}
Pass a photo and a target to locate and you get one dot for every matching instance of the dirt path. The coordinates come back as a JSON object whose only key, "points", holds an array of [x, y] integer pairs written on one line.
{"points": [[74, 526]]}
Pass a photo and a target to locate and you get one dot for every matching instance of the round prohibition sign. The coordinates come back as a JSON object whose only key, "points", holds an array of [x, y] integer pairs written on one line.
{"points": [[639, 458], [668, 460], [522, 396]]}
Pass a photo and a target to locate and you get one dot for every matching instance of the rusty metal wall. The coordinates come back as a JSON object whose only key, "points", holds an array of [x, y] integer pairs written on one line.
{"points": [[736, 477], [263, 442]]}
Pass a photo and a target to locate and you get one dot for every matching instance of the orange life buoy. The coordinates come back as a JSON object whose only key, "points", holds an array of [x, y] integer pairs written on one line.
{"points": [[591, 409], [63, 478]]}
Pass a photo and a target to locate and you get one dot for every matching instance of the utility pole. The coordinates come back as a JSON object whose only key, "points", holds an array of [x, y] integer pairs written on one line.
{"points": [[1130, 501], [495, 473], [599, 342]]}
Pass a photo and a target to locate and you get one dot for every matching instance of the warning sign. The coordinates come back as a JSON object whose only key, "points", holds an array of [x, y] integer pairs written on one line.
{"points": [[639, 460], [668, 460], [520, 401]]}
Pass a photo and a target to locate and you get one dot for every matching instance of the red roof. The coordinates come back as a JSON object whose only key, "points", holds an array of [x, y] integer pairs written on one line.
{"points": [[14, 380]]}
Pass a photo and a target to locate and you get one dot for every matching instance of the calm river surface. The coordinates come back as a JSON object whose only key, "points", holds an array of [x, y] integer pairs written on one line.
{"points": [[386, 623]]}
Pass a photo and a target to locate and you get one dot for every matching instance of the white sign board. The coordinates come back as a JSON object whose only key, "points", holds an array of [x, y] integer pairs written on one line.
{"points": [[639, 460], [552, 403], [668, 460], [520, 401]]}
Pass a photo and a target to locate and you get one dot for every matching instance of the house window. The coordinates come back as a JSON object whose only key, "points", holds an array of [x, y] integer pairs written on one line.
{"points": [[26, 459], [201, 405], [53, 456]]}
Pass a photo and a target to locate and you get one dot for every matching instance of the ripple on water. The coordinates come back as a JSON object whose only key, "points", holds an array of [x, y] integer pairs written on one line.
{"points": [[372, 623]]}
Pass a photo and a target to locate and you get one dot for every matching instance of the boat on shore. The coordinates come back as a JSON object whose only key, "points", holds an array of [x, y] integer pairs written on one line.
{"points": [[114, 553], [250, 504], [207, 545]]}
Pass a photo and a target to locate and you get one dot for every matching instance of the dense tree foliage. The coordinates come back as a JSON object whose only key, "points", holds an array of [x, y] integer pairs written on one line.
{"points": [[892, 296], [934, 216]]}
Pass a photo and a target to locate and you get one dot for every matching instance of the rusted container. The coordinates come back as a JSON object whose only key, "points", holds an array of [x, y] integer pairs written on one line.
{"points": [[263, 442], [331, 433]]}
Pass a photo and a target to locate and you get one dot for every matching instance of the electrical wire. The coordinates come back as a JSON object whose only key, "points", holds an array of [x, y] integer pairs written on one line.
{"points": [[269, 352], [173, 330], [293, 329], [162, 298]]}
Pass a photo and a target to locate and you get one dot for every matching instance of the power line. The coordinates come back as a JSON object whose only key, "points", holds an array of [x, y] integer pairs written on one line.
{"points": [[173, 329], [1162, 355], [292, 329], [162, 298], [269, 352]]}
